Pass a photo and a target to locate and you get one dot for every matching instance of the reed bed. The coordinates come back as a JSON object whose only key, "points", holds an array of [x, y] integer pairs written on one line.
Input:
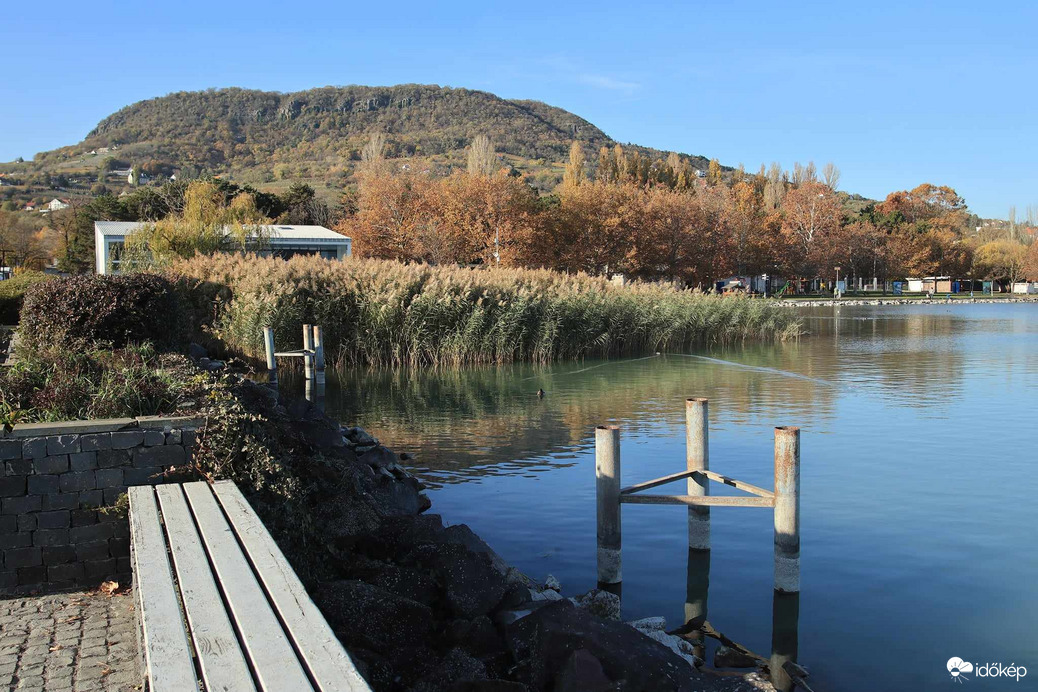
{"points": [[386, 313]]}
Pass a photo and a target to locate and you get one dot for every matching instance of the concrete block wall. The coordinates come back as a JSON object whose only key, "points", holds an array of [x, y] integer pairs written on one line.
{"points": [[59, 484]]}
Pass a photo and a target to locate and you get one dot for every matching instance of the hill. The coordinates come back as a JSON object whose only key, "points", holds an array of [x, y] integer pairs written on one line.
{"points": [[270, 139]]}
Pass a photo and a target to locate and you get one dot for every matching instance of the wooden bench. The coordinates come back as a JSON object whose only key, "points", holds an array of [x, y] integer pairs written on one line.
{"points": [[231, 613]]}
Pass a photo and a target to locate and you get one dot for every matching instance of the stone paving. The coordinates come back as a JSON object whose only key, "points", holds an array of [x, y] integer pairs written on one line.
{"points": [[82, 641]]}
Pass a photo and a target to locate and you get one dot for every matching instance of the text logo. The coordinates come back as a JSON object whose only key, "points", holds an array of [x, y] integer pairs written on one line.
{"points": [[956, 666]]}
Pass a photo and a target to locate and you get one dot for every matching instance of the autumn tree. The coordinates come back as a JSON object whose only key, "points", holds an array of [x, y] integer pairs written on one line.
{"points": [[812, 213], [574, 174], [1031, 262], [481, 157], [1001, 260], [713, 172], [831, 176]]}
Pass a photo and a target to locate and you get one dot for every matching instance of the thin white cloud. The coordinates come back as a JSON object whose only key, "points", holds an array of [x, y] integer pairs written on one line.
{"points": [[606, 82]]}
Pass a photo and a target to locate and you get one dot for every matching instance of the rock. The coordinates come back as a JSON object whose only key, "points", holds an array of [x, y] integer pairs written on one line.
{"points": [[461, 534], [544, 640], [550, 582], [372, 617], [196, 351], [457, 666], [379, 457], [407, 582], [203, 363], [653, 623], [473, 587], [727, 657], [545, 595], [394, 498], [488, 686], [676, 644], [479, 637], [359, 436], [582, 672], [320, 435], [215, 365], [602, 603]]}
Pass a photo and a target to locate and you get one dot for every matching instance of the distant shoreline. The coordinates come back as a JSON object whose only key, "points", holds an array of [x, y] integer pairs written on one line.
{"points": [[901, 301]]}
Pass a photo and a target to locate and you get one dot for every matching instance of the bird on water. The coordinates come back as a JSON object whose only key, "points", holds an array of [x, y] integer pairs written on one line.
{"points": [[540, 393]]}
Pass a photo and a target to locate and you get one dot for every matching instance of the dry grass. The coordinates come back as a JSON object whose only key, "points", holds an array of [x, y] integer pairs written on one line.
{"points": [[386, 313]]}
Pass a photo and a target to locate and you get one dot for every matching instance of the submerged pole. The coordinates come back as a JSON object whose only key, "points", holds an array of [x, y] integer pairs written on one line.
{"points": [[308, 345], [607, 486], [697, 458], [787, 509], [272, 366], [319, 353]]}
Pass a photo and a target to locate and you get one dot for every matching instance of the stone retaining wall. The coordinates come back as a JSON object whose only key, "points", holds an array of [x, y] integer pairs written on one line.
{"points": [[59, 486]]}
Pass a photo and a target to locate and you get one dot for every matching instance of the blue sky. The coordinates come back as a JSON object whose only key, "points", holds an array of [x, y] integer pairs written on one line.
{"points": [[894, 95]]}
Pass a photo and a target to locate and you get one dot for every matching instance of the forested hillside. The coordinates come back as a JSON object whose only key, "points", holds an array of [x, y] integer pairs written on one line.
{"points": [[260, 137]]}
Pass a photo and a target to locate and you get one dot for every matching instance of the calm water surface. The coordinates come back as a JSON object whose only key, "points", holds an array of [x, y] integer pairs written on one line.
{"points": [[919, 446]]}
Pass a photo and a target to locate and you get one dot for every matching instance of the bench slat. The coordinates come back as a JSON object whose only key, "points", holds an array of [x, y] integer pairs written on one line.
{"points": [[166, 649], [222, 661], [327, 660], [273, 659]]}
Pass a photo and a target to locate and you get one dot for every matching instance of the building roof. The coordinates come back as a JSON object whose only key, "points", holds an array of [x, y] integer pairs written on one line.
{"points": [[274, 232]]}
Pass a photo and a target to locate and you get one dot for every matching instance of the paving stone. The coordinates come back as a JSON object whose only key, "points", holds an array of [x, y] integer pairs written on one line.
{"points": [[26, 523], [113, 458], [34, 448], [60, 501], [153, 438], [109, 478], [17, 467], [165, 456], [126, 439], [83, 461], [10, 449], [62, 444], [53, 520], [12, 486], [50, 537], [91, 498], [94, 442], [51, 464], [77, 480], [44, 485], [83, 517], [21, 505]]}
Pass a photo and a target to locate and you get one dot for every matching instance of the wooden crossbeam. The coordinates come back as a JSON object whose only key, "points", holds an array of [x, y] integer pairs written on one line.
{"points": [[741, 485], [295, 354], [637, 487], [698, 501]]}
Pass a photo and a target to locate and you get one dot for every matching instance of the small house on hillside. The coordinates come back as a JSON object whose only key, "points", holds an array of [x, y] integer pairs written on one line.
{"points": [[280, 241], [58, 204]]}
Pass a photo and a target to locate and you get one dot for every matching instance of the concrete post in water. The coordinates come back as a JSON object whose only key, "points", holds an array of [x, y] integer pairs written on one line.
{"points": [[308, 345], [697, 589], [607, 486], [697, 458], [272, 366], [785, 624], [787, 510], [319, 353]]}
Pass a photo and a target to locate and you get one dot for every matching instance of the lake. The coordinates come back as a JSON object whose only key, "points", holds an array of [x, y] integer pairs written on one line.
{"points": [[918, 488]]}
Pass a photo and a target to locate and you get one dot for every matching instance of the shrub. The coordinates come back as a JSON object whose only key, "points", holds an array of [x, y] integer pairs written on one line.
{"points": [[12, 292], [116, 310], [79, 382]]}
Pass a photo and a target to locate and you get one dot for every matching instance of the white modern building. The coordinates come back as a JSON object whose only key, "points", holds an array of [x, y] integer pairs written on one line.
{"points": [[280, 241]]}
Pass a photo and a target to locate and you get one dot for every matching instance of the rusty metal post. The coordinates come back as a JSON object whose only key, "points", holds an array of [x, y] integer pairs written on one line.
{"points": [[697, 458], [787, 509], [607, 486], [272, 366], [319, 354], [308, 345]]}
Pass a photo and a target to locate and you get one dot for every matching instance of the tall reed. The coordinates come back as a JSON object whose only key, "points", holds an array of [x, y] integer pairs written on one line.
{"points": [[386, 313]]}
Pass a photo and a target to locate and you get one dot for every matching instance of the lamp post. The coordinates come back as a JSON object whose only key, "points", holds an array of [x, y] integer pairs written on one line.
{"points": [[836, 288]]}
